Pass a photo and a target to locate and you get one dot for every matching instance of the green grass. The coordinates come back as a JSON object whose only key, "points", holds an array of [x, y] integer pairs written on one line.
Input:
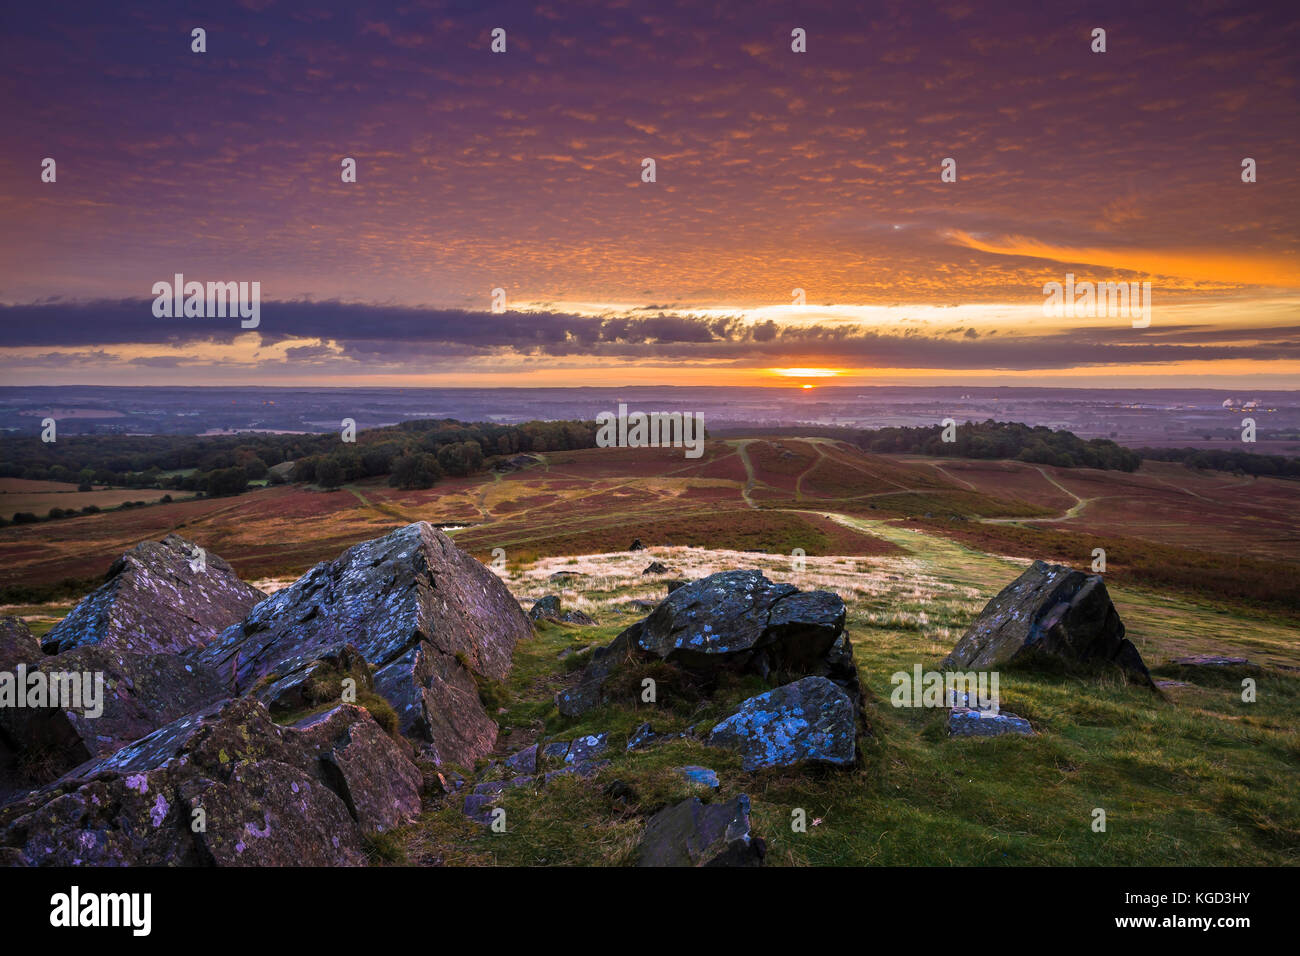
{"points": [[1198, 778]]}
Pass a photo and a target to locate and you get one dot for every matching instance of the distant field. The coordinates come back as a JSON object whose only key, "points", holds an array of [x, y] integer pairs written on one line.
{"points": [[40, 502], [1229, 539]]}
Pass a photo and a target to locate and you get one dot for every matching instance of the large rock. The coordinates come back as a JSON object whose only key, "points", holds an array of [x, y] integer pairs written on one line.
{"points": [[17, 644], [1049, 612], [161, 596], [692, 833], [810, 721], [740, 619], [425, 615], [268, 795], [120, 698], [733, 620]]}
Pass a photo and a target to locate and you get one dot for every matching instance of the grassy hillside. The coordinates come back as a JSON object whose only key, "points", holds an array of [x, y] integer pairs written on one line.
{"points": [[1199, 777]]}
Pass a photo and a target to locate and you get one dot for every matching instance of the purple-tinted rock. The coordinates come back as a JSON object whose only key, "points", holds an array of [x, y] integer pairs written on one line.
{"points": [[223, 786], [525, 761], [423, 613], [585, 748], [161, 596], [108, 699]]}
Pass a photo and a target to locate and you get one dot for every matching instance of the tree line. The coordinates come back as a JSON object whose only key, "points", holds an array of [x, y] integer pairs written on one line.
{"points": [[1037, 445], [414, 454], [1220, 459]]}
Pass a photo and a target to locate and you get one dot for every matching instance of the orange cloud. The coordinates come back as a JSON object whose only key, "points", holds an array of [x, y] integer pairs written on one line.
{"points": [[1247, 269]]}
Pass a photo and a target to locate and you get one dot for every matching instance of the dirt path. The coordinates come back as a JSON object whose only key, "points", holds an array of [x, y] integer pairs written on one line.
{"points": [[742, 449]]}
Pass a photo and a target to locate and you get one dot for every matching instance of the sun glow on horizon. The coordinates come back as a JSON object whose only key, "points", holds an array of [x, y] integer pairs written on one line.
{"points": [[806, 373]]}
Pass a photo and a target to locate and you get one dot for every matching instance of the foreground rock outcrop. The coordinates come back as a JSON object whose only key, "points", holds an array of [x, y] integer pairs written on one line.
{"points": [[733, 620], [97, 700], [223, 786], [1050, 612], [426, 616], [161, 596]]}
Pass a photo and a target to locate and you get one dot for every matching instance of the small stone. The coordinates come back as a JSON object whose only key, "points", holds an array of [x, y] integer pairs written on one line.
{"points": [[966, 722], [700, 775]]}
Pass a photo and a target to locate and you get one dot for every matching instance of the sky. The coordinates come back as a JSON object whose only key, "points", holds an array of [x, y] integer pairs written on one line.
{"points": [[775, 171]]}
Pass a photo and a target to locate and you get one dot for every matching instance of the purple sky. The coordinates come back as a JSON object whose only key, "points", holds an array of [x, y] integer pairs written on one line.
{"points": [[775, 171]]}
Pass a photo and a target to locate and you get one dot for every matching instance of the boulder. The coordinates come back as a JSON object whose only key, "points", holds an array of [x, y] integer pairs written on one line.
{"points": [[579, 618], [425, 615], [692, 833], [224, 786], [655, 567], [17, 644], [1049, 612], [545, 608], [735, 620], [161, 596], [810, 721], [119, 697], [741, 620], [636, 545]]}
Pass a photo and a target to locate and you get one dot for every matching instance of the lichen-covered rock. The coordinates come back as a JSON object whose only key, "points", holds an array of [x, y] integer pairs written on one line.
{"points": [[586, 748], [525, 761], [724, 614], [108, 698], [545, 609], [1052, 612], [701, 776], [161, 596], [223, 786], [734, 620], [17, 644], [578, 617], [692, 833], [965, 722], [423, 613], [810, 721]]}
